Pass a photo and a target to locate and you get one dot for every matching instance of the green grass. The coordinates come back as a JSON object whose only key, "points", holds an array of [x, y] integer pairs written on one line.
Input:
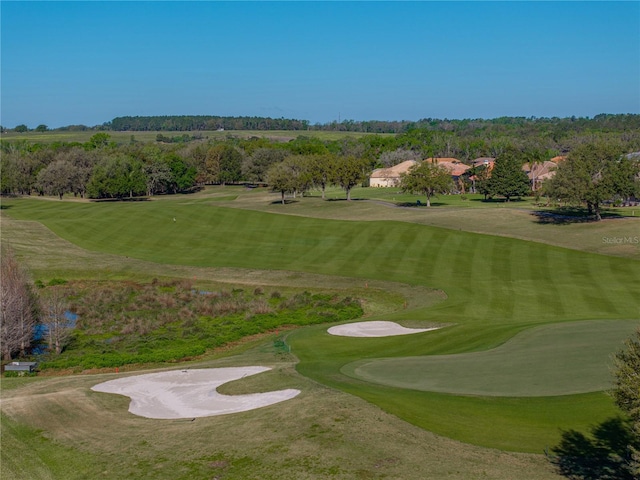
{"points": [[488, 279], [508, 423], [557, 359], [496, 287]]}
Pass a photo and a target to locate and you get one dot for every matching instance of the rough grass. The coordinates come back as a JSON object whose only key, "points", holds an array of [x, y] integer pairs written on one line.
{"points": [[73, 433]]}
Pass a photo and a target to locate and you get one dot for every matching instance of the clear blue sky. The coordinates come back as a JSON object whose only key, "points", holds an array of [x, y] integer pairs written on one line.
{"points": [[87, 62]]}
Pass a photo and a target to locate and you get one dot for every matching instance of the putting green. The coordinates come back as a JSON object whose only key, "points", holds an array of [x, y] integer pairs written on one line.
{"points": [[559, 359]]}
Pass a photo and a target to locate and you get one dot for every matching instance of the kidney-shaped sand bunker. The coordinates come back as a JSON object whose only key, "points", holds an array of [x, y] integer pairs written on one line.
{"points": [[190, 393]]}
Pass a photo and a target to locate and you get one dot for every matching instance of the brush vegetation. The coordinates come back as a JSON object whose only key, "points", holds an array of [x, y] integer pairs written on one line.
{"points": [[121, 323]]}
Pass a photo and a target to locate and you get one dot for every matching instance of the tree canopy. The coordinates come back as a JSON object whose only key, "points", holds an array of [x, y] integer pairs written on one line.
{"points": [[507, 178], [428, 179], [348, 172], [626, 392], [592, 174]]}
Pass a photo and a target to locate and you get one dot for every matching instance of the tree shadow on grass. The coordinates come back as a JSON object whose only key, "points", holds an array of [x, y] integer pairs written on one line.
{"points": [[604, 455], [345, 200], [498, 200], [569, 215], [120, 199], [420, 204]]}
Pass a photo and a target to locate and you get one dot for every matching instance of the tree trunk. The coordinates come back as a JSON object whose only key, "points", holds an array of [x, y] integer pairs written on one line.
{"points": [[428, 202], [349, 194], [282, 197]]}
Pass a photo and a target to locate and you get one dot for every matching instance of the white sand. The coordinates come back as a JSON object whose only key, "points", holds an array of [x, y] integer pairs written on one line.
{"points": [[190, 393], [374, 329]]}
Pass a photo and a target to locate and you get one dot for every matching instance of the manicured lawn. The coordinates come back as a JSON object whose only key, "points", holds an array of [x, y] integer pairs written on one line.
{"points": [[489, 280], [496, 287], [557, 359]]}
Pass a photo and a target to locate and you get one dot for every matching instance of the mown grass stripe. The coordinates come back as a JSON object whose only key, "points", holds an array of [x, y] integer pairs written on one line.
{"points": [[548, 293], [501, 301]]}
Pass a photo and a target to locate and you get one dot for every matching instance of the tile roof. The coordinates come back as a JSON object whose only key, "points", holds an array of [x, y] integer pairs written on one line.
{"points": [[394, 171]]}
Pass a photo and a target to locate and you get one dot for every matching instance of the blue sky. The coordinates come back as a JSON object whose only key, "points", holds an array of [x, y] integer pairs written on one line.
{"points": [[87, 62]]}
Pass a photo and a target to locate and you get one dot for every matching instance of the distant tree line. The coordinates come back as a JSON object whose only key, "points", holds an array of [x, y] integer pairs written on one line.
{"points": [[555, 128], [188, 123]]}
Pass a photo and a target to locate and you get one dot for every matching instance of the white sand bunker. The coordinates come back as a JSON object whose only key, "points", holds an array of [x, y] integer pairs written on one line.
{"points": [[374, 329], [190, 393]]}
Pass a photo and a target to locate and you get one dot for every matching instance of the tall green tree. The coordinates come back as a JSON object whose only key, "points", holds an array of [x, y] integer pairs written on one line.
{"points": [[626, 392], [280, 179], [99, 140], [18, 172], [117, 177], [57, 178], [183, 176], [507, 177], [83, 162], [428, 179], [223, 164], [592, 174], [320, 168], [349, 172], [230, 166], [159, 177], [255, 166]]}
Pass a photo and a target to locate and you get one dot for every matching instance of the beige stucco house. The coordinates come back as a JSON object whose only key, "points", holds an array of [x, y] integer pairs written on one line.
{"points": [[390, 177]]}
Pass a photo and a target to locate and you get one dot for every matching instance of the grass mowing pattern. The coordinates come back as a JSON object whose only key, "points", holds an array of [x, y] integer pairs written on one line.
{"points": [[496, 287], [505, 280], [558, 359]]}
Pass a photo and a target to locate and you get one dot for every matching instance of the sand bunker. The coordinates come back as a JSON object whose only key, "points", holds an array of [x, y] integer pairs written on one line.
{"points": [[190, 393], [374, 329]]}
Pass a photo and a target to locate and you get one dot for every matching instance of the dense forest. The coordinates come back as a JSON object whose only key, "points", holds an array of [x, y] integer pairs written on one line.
{"points": [[554, 127], [102, 168]]}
